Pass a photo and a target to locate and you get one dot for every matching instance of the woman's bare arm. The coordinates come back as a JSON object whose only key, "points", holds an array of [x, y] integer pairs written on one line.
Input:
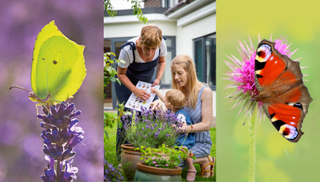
{"points": [[160, 69], [142, 94]]}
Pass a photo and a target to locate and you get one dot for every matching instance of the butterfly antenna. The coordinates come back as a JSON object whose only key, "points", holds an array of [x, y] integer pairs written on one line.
{"points": [[14, 86]]}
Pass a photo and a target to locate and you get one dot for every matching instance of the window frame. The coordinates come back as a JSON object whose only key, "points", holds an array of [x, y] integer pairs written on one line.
{"points": [[203, 62]]}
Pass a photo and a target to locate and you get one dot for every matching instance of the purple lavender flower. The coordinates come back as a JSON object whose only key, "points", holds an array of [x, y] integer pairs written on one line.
{"points": [[156, 135], [111, 173], [60, 136], [147, 124]]}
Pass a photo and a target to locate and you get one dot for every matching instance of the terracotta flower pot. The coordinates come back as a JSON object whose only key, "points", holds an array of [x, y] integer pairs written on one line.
{"points": [[149, 173], [130, 158]]}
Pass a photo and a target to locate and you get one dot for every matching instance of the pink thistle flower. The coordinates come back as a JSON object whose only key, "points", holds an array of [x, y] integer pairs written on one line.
{"points": [[243, 77]]}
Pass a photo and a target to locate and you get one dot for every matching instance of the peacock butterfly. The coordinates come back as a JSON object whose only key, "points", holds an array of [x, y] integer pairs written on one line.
{"points": [[281, 90]]}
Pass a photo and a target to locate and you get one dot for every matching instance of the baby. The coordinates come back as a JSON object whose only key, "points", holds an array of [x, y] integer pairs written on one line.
{"points": [[175, 101]]}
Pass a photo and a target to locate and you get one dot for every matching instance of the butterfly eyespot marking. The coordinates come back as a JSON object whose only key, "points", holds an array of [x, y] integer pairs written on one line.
{"points": [[264, 52], [298, 105], [43, 59], [293, 104], [55, 62], [288, 131]]}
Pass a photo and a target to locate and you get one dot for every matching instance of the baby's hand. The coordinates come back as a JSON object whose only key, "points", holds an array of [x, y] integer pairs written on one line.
{"points": [[153, 90]]}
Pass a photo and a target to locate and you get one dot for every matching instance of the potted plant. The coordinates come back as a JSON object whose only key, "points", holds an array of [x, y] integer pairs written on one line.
{"points": [[147, 128], [157, 168]]}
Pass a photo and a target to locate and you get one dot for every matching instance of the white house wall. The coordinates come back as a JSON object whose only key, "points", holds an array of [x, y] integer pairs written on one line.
{"points": [[133, 28], [199, 28], [186, 34]]}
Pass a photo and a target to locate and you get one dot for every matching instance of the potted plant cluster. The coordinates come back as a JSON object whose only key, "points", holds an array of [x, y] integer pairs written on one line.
{"points": [[150, 129], [157, 168]]}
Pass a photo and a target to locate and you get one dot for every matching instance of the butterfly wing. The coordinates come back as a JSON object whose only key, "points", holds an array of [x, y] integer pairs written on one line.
{"points": [[58, 67], [281, 89]]}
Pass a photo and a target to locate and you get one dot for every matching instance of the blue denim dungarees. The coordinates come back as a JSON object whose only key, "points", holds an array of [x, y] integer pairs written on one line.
{"points": [[135, 72], [188, 141]]}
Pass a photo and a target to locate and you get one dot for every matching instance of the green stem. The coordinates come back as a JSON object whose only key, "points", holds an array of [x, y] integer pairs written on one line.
{"points": [[58, 163], [252, 149], [58, 169]]}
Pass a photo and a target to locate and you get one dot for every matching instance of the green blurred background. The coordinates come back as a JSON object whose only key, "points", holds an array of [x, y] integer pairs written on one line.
{"points": [[276, 158]]}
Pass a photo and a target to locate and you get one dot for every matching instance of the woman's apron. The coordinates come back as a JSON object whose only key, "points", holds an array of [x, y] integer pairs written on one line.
{"points": [[135, 72]]}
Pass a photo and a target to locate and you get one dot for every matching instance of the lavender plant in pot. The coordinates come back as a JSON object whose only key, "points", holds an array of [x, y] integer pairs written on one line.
{"points": [[147, 128]]}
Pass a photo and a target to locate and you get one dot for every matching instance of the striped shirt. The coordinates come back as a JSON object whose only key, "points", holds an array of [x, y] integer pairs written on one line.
{"points": [[203, 141]]}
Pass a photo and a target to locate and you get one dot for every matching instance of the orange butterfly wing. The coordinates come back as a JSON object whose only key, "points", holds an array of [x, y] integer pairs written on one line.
{"points": [[281, 89]]}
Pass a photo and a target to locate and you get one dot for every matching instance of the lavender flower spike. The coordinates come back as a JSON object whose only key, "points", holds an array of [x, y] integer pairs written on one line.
{"points": [[60, 136]]}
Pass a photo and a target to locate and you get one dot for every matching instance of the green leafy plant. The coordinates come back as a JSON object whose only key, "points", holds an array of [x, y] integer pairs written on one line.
{"points": [[136, 7], [153, 157], [110, 120], [109, 68]]}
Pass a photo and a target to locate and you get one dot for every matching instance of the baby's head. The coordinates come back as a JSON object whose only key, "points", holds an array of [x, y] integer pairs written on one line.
{"points": [[175, 100]]}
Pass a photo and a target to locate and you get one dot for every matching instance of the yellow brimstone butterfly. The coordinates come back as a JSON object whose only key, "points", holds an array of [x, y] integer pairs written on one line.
{"points": [[58, 67]]}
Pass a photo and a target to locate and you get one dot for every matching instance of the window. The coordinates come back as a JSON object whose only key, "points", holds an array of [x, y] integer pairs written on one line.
{"points": [[166, 3], [205, 59], [166, 79]]}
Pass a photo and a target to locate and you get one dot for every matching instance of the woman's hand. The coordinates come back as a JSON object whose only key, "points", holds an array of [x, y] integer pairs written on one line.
{"points": [[155, 82], [156, 105], [142, 94]]}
